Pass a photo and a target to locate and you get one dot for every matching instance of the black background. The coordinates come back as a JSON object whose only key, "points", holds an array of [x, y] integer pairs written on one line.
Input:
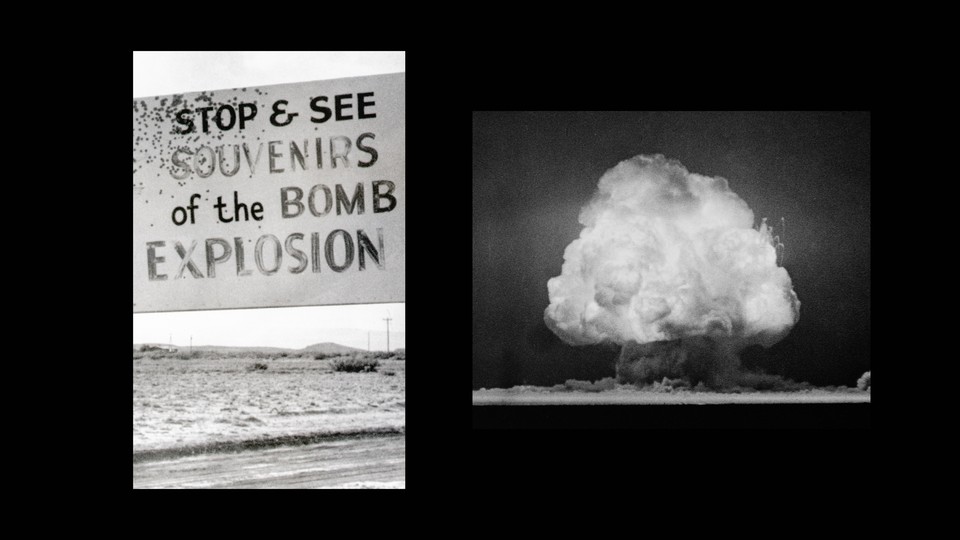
{"points": [[77, 435]]}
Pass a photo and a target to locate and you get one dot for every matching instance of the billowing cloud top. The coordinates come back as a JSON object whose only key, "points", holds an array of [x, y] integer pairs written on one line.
{"points": [[666, 254]]}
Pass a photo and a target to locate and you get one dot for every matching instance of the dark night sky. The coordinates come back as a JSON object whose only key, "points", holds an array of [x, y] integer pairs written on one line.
{"points": [[532, 172]]}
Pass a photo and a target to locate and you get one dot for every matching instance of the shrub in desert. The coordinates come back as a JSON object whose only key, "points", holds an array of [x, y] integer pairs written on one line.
{"points": [[257, 367], [355, 365], [864, 382]]}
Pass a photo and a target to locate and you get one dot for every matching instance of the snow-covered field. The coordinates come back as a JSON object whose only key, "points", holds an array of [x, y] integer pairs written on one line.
{"points": [[179, 403]]}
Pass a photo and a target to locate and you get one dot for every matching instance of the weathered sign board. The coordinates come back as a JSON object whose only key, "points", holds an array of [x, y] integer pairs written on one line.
{"points": [[286, 195]]}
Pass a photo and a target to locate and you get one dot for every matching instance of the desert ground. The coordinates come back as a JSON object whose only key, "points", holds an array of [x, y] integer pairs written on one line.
{"points": [[356, 462], [225, 405], [630, 395]]}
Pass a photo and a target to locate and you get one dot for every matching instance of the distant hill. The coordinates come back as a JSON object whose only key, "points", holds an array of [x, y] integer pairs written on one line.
{"points": [[226, 350], [229, 350], [329, 348], [316, 348], [325, 348]]}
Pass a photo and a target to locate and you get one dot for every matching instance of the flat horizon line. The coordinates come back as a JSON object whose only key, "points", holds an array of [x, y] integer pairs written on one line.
{"points": [[254, 346]]}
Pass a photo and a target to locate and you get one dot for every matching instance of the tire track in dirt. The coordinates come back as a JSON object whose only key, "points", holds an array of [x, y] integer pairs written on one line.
{"points": [[346, 462], [140, 456]]}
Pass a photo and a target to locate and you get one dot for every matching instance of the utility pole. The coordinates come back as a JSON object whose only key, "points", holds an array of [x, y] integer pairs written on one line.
{"points": [[388, 319], [368, 341], [191, 345]]}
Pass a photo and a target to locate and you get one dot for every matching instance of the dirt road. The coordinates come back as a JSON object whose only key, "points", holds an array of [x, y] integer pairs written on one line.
{"points": [[360, 462]]}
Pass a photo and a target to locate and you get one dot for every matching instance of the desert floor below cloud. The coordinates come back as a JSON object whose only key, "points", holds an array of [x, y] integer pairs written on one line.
{"points": [[630, 395]]}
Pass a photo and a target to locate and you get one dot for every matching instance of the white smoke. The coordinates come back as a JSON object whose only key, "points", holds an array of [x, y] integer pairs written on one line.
{"points": [[668, 255]]}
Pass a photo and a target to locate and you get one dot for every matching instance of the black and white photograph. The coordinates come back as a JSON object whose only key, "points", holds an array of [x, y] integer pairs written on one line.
{"points": [[671, 269], [269, 327]]}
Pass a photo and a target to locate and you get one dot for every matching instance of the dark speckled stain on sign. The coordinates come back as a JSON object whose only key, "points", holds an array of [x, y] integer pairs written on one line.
{"points": [[149, 147]]}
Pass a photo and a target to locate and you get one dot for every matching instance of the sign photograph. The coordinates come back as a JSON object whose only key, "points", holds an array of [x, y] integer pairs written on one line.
{"points": [[269, 310]]}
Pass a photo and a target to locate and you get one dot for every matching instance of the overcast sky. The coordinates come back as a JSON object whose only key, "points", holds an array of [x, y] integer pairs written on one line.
{"points": [[159, 73]]}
